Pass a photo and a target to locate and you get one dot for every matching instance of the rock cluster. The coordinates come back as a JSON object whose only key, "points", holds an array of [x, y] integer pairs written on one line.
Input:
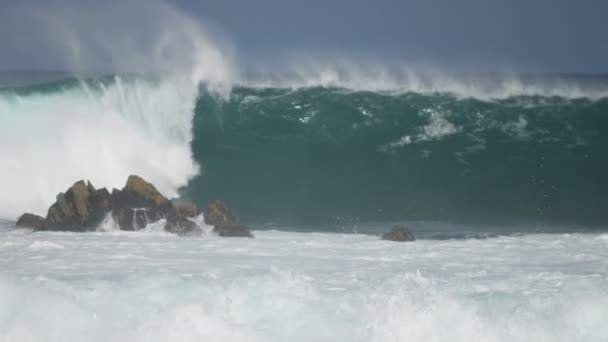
{"points": [[82, 208]]}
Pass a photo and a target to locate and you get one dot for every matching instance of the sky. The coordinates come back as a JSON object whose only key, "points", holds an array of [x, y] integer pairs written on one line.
{"points": [[488, 35]]}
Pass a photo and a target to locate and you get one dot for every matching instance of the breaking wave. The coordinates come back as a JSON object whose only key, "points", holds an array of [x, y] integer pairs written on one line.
{"points": [[303, 142], [327, 154]]}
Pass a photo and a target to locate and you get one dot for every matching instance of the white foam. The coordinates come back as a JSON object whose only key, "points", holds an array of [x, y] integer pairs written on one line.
{"points": [[347, 73], [438, 127], [105, 132], [38, 245], [283, 286]]}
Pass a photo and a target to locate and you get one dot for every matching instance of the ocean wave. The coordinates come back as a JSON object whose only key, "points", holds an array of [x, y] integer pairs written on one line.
{"points": [[327, 154]]}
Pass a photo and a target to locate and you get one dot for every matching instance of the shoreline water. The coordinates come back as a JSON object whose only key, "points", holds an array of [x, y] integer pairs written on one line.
{"points": [[153, 286]]}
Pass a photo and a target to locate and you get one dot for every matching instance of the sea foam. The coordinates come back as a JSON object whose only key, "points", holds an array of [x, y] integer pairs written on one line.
{"points": [[106, 129], [301, 287]]}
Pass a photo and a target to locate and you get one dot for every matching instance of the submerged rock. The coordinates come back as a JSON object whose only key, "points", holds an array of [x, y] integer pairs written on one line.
{"points": [[232, 229], [399, 233], [28, 220], [224, 222]]}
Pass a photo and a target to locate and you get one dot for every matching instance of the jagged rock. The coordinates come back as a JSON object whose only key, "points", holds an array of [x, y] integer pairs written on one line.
{"points": [[28, 220], [399, 233], [146, 191], [224, 222], [81, 208], [187, 210], [218, 213], [232, 229], [138, 204]]}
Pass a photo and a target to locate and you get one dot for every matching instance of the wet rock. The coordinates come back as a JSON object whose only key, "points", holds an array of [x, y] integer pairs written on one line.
{"points": [[138, 204], [28, 220], [187, 210], [144, 191], [80, 208], [232, 229], [399, 233], [224, 222], [182, 225], [218, 213]]}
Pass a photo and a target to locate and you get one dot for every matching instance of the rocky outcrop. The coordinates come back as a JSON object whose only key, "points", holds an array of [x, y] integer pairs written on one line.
{"points": [[182, 225], [138, 204], [28, 220], [224, 222], [399, 233], [82, 208], [218, 213], [187, 210]]}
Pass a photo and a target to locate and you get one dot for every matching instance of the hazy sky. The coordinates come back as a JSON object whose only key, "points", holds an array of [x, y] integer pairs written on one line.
{"points": [[562, 35], [530, 35]]}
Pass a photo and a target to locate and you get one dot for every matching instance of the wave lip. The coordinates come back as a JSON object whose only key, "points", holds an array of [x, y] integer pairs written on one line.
{"points": [[400, 80]]}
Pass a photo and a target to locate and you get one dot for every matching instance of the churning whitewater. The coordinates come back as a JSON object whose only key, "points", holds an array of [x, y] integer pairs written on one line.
{"points": [[147, 286]]}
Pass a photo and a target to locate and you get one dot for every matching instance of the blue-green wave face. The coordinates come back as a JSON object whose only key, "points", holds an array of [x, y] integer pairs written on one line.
{"points": [[319, 154]]}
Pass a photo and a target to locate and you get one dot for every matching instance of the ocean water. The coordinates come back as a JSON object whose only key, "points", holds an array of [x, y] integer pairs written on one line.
{"points": [[291, 286], [504, 186], [500, 176], [476, 150]]}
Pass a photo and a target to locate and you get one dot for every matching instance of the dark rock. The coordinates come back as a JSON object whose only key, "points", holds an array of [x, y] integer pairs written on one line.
{"points": [[232, 229], [138, 204], [224, 222], [399, 233], [218, 213], [145, 192], [182, 225], [187, 210], [28, 220], [81, 208]]}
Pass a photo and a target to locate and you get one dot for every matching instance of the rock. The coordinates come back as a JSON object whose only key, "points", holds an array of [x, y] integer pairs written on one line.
{"points": [[146, 191], [187, 210], [399, 233], [224, 222], [81, 208], [218, 213], [182, 225], [232, 229], [138, 204], [28, 220]]}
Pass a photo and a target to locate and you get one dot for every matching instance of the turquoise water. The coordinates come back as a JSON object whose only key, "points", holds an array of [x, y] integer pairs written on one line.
{"points": [[323, 155], [328, 154]]}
